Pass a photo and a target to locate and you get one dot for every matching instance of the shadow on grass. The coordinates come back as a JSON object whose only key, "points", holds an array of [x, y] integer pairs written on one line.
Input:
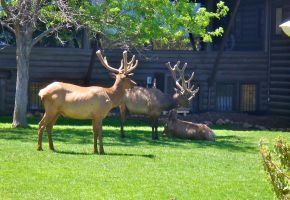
{"points": [[83, 135], [106, 154], [229, 142], [109, 121]]}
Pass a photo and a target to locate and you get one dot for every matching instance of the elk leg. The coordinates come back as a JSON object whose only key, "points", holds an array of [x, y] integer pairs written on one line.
{"points": [[122, 119], [95, 132], [98, 134], [41, 127], [102, 152], [49, 127], [156, 128], [153, 125]]}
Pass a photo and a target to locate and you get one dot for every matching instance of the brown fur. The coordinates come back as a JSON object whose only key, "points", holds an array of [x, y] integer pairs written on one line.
{"points": [[81, 103], [176, 128], [151, 102]]}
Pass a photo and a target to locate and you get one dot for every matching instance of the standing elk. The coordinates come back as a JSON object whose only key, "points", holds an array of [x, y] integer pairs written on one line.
{"points": [[176, 128], [78, 102], [151, 101]]}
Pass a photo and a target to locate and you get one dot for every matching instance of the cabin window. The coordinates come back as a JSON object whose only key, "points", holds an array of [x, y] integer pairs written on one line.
{"points": [[278, 20], [224, 97], [34, 100], [248, 97]]}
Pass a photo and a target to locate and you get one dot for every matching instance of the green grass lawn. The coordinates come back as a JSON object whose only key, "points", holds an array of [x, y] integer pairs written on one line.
{"points": [[134, 167]]}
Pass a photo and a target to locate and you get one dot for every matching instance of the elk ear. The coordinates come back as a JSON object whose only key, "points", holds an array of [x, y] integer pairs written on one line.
{"points": [[130, 75], [190, 98]]}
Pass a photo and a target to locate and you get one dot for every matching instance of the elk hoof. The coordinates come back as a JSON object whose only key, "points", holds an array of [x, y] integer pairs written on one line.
{"points": [[39, 148], [102, 152], [155, 137]]}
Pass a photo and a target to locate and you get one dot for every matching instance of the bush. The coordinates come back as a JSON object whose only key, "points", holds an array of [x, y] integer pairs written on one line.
{"points": [[278, 166]]}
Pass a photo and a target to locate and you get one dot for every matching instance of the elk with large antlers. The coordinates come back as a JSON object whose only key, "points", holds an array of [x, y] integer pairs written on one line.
{"points": [[78, 102], [151, 101], [176, 128]]}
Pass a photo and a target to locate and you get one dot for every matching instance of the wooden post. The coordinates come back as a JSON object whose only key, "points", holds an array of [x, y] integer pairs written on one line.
{"points": [[267, 30], [2, 96]]}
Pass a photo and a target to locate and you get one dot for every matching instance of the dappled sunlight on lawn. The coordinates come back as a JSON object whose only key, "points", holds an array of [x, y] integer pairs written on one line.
{"points": [[68, 132]]}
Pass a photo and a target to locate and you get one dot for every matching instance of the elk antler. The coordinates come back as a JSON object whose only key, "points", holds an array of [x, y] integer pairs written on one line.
{"points": [[125, 68], [128, 66], [185, 84]]}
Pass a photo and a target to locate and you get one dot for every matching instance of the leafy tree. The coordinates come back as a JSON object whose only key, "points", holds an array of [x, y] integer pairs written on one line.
{"points": [[133, 23], [22, 17], [277, 167]]}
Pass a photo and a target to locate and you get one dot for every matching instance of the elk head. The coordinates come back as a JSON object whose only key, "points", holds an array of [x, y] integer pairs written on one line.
{"points": [[123, 74], [185, 90]]}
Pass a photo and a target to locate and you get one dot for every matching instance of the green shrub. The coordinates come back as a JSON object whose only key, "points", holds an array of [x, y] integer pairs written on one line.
{"points": [[278, 166]]}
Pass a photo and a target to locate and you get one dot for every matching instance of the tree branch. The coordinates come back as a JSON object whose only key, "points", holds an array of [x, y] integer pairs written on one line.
{"points": [[6, 8], [274, 165], [7, 26], [45, 33], [37, 5]]}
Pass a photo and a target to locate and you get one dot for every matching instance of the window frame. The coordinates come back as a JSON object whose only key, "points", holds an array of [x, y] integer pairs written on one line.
{"points": [[256, 96], [234, 96], [41, 85]]}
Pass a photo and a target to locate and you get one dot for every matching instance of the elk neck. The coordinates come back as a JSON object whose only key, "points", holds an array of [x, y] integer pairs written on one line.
{"points": [[170, 103], [174, 103], [117, 92]]}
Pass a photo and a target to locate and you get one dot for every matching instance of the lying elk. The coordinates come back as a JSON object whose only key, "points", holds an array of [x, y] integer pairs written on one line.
{"points": [[175, 128], [92, 102], [151, 101]]}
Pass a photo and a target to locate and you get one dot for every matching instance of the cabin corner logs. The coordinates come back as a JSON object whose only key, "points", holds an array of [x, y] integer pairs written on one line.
{"points": [[252, 75], [279, 59]]}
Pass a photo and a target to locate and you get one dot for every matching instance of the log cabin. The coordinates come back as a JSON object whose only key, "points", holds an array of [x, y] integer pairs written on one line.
{"points": [[246, 70]]}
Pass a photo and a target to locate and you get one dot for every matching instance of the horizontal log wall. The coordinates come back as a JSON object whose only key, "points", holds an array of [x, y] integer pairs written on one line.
{"points": [[249, 28], [63, 64], [280, 65]]}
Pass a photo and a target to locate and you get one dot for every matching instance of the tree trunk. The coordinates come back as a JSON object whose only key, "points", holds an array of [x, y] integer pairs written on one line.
{"points": [[85, 38], [23, 50], [191, 39], [96, 44]]}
